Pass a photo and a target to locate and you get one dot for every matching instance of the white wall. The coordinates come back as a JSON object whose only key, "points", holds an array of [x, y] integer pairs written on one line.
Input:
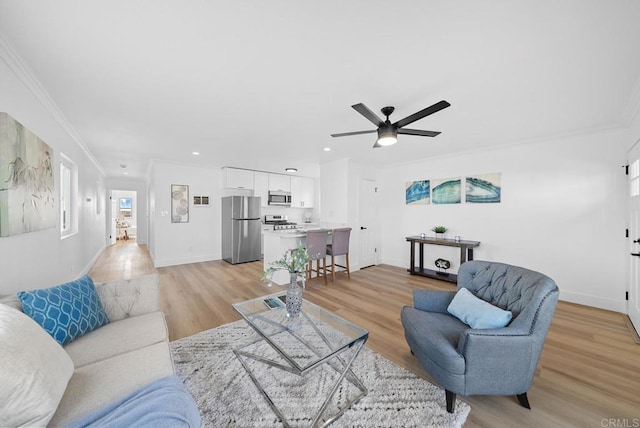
{"points": [[142, 218], [334, 192], [563, 213], [199, 239], [41, 259], [340, 196]]}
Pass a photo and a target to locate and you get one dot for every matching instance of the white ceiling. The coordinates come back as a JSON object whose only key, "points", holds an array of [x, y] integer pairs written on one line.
{"points": [[262, 84]]}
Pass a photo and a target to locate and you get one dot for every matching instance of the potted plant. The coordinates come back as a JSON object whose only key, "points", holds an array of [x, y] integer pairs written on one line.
{"points": [[295, 262], [439, 231]]}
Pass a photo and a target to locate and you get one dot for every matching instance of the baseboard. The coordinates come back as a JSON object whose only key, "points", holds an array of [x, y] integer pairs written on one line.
{"points": [[632, 330], [595, 301], [394, 262], [185, 260], [93, 261]]}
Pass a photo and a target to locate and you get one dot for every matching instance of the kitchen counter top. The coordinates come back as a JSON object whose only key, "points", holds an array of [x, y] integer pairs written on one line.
{"points": [[287, 233], [293, 233]]}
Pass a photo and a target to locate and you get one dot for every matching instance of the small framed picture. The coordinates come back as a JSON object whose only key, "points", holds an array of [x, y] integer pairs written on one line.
{"points": [[200, 201]]}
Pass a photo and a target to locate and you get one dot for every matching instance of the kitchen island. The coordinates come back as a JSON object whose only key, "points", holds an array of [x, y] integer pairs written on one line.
{"points": [[276, 244], [279, 242]]}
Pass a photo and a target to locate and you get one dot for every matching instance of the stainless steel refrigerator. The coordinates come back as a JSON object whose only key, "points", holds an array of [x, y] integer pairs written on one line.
{"points": [[241, 229]]}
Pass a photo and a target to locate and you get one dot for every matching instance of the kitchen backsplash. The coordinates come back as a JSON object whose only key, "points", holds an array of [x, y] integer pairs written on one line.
{"points": [[296, 215]]}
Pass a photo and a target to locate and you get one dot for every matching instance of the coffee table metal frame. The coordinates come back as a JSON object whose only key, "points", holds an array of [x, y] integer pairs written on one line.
{"points": [[255, 312]]}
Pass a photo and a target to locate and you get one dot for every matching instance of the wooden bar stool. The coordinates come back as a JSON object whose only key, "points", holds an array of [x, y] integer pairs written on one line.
{"points": [[317, 249], [339, 247]]}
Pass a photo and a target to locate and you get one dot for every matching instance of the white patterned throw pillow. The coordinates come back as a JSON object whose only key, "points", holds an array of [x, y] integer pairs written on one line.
{"points": [[34, 371]]}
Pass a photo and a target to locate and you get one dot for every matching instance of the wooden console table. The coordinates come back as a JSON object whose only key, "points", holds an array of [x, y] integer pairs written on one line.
{"points": [[466, 253]]}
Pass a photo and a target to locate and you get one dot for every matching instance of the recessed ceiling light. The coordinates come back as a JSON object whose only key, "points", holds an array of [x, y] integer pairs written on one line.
{"points": [[327, 149], [125, 173], [291, 169], [195, 153]]}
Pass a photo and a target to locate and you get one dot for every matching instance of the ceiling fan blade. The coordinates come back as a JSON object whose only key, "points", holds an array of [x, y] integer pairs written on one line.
{"points": [[422, 113], [418, 132], [345, 134], [371, 116]]}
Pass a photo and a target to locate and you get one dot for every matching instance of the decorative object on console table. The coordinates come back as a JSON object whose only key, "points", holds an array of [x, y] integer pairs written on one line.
{"points": [[442, 264], [27, 202], [295, 262], [179, 203], [439, 231]]}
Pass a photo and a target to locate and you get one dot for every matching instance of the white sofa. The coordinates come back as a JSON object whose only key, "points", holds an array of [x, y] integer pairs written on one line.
{"points": [[131, 351]]}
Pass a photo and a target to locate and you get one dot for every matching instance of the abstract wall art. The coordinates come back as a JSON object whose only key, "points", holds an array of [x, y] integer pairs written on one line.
{"points": [[27, 192], [417, 192], [179, 203], [483, 189], [445, 191]]}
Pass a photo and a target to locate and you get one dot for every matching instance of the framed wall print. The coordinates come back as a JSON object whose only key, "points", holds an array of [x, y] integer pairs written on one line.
{"points": [[179, 203]]}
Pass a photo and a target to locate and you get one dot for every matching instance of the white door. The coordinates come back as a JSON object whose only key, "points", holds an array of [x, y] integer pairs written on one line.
{"points": [[112, 221], [368, 223], [633, 304]]}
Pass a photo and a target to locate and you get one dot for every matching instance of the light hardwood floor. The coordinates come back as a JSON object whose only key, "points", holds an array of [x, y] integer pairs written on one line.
{"points": [[589, 371]]}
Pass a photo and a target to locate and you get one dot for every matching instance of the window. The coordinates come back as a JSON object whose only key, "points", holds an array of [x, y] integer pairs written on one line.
{"points": [[68, 196], [125, 207]]}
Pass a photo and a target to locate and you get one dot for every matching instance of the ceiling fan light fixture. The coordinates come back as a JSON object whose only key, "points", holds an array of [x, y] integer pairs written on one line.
{"points": [[387, 136]]}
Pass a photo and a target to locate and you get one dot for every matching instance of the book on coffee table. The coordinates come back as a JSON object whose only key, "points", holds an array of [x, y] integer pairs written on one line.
{"points": [[273, 303]]}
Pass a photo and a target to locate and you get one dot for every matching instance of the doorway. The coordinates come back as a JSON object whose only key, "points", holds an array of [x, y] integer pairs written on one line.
{"points": [[368, 223], [124, 216], [633, 301]]}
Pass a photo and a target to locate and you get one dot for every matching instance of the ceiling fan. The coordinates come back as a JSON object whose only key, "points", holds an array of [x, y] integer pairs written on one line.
{"points": [[387, 131]]}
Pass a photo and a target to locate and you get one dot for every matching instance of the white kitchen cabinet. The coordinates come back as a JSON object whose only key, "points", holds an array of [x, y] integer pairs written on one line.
{"points": [[302, 192], [233, 178], [279, 183], [261, 187]]}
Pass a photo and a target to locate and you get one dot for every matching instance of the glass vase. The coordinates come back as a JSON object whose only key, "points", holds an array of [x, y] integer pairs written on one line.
{"points": [[294, 296]]}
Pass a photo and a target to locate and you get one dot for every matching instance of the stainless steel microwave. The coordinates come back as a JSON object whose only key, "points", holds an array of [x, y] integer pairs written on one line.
{"points": [[280, 198]]}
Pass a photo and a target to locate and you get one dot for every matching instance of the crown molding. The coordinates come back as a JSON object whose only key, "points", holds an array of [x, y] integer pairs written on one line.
{"points": [[516, 143], [33, 85]]}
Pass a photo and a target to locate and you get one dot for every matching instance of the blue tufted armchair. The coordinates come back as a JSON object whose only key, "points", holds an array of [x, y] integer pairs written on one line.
{"points": [[470, 361]]}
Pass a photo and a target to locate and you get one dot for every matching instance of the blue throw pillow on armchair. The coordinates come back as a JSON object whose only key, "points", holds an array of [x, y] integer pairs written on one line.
{"points": [[477, 313], [66, 311]]}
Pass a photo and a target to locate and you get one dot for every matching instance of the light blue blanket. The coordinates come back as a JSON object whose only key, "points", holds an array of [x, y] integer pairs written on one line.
{"points": [[163, 403]]}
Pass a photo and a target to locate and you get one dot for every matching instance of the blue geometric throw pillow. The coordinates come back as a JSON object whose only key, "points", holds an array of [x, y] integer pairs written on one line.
{"points": [[66, 311]]}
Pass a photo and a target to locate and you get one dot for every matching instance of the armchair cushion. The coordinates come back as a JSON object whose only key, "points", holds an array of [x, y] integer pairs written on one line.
{"points": [[476, 312]]}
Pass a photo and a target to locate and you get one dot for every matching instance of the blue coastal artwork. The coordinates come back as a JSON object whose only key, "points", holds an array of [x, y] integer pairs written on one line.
{"points": [[417, 192], [483, 189], [446, 191]]}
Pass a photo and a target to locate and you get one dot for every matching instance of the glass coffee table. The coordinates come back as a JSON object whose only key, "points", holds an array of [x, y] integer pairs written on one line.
{"points": [[317, 347]]}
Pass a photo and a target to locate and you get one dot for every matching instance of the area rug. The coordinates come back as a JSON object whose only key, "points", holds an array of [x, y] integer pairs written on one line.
{"points": [[227, 397]]}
